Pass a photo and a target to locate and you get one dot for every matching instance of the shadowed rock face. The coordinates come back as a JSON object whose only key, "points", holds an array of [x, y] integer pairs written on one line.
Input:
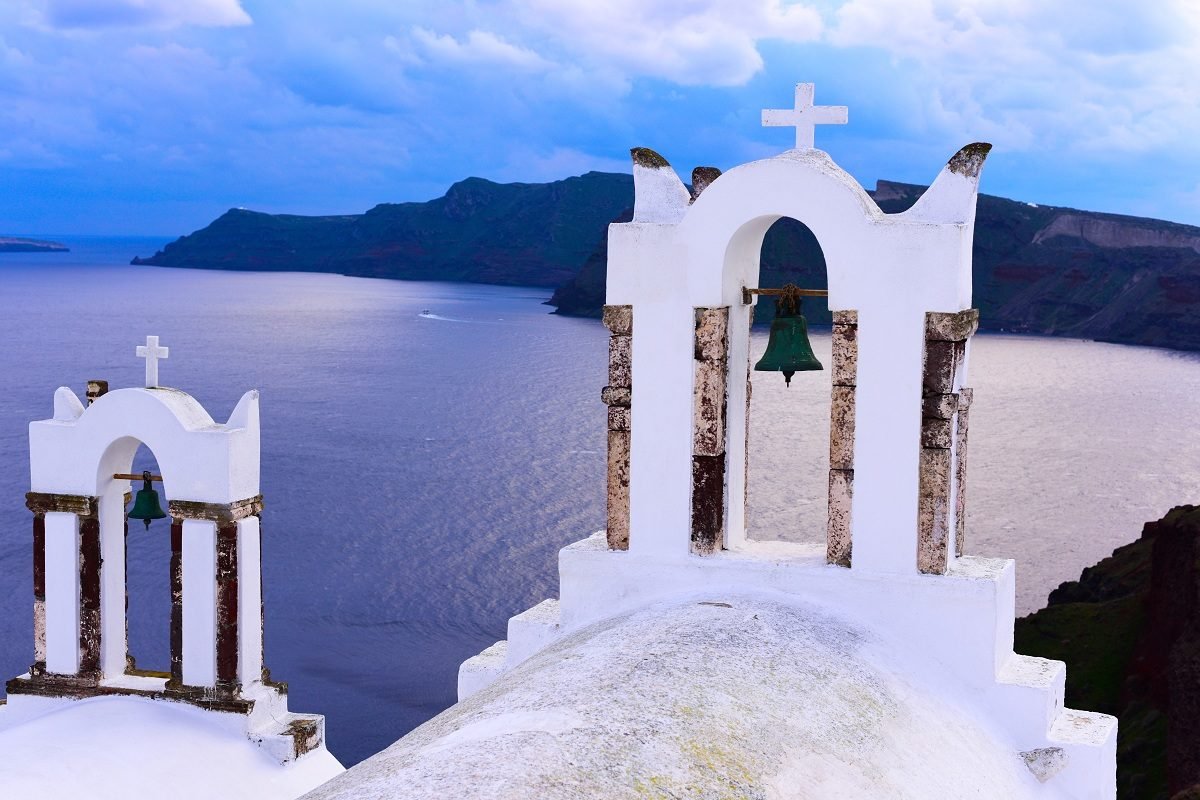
{"points": [[481, 232], [730, 697], [1037, 269], [1129, 630]]}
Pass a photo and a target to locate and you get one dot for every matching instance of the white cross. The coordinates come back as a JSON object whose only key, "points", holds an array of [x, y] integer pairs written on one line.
{"points": [[805, 116], [152, 353]]}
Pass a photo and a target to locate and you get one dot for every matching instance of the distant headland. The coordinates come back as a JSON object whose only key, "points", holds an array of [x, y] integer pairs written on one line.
{"points": [[1037, 269], [16, 244]]}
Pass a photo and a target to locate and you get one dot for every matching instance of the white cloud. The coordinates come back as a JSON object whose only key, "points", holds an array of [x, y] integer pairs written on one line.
{"points": [[479, 47], [1033, 75], [690, 42], [93, 14]]}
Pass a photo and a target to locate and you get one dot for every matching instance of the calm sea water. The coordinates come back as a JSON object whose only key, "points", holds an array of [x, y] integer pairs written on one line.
{"points": [[422, 471]]}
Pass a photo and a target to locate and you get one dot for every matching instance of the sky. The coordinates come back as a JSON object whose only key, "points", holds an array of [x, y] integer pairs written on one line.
{"points": [[155, 116]]}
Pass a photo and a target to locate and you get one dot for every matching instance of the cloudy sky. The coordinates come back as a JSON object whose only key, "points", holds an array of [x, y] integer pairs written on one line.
{"points": [[154, 116]]}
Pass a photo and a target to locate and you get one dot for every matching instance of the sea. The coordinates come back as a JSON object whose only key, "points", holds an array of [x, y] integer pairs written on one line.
{"points": [[427, 448]]}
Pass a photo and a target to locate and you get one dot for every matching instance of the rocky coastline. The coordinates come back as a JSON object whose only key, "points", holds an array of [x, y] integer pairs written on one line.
{"points": [[1129, 632]]}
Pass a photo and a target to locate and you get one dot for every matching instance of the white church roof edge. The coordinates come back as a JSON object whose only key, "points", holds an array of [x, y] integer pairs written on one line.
{"points": [[952, 195], [658, 193]]}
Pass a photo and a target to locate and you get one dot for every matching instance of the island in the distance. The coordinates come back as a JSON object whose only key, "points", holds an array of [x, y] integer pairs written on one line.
{"points": [[17, 244], [1037, 269]]}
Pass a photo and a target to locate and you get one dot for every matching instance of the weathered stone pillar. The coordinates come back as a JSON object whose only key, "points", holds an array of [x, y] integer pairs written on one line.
{"points": [[227, 607], [66, 615], [965, 396], [90, 563], [838, 540], [39, 595], [176, 679], [708, 432], [618, 396], [227, 647], [938, 511]]}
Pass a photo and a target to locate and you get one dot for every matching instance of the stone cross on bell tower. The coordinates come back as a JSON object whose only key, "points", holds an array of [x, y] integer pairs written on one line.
{"points": [[805, 116], [152, 353]]}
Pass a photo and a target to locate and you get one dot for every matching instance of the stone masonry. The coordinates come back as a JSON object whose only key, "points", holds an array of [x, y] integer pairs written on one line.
{"points": [[841, 437], [941, 506], [708, 429], [618, 396]]}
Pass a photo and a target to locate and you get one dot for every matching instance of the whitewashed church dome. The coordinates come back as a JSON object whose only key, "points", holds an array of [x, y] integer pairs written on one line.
{"points": [[743, 696]]}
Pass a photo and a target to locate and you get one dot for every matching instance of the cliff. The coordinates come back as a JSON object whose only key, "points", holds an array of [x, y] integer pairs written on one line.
{"points": [[16, 244], [481, 232], [1129, 631], [1037, 269]]}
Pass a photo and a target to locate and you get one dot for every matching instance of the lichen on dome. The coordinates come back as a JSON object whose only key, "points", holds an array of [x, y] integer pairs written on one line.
{"points": [[729, 696]]}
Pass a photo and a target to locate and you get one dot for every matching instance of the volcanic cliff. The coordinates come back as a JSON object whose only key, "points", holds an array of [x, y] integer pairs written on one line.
{"points": [[1129, 632], [1037, 269]]}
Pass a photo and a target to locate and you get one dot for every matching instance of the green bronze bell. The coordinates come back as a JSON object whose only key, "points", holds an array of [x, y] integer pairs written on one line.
{"points": [[146, 506], [788, 350]]}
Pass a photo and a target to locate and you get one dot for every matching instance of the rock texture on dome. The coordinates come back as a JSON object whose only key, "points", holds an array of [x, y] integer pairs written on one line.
{"points": [[713, 697]]}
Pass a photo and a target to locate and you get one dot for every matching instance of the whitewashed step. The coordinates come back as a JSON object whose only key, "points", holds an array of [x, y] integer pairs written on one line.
{"points": [[1081, 755], [531, 630], [291, 736], [479, 671], [1087, 728], [1034, 688]]}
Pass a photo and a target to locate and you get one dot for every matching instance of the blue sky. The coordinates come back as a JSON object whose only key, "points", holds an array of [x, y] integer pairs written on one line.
{"points": [[155, 116]]}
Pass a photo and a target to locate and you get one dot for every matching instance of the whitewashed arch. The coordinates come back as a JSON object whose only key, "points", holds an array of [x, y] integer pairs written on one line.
{"points": [[79, 450]]}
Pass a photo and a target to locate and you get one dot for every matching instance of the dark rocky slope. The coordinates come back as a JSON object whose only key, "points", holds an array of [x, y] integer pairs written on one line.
{"points": [[1038, 269], [1129, 631], [481, 232]]}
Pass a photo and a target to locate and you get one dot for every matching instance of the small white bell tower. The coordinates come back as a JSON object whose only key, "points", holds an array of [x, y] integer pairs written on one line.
{"points": [[79, 465]]}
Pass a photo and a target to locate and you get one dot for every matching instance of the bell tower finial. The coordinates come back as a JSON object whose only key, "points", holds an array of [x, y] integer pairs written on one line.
{"points": [[805, 116], [152, 353]]}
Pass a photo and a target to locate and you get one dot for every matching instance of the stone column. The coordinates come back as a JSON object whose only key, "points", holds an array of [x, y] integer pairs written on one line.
{"points": [[227, 607], [216, 525], [176, 679], [708, 431], [965, 396], [938, 509], [838, 538], [66, 586], [90, 564], [618, 396], [39, 595]]}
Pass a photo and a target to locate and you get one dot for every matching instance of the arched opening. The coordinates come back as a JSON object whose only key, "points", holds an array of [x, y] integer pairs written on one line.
{"points": [[787, 457], [148, 579]]}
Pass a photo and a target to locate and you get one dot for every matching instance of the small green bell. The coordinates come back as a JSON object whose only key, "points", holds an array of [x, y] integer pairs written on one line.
{"points": [[788, 350], [146, 506]]}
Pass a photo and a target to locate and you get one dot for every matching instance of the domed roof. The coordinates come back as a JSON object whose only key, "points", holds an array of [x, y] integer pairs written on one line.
{"points": [[736, 696]]}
